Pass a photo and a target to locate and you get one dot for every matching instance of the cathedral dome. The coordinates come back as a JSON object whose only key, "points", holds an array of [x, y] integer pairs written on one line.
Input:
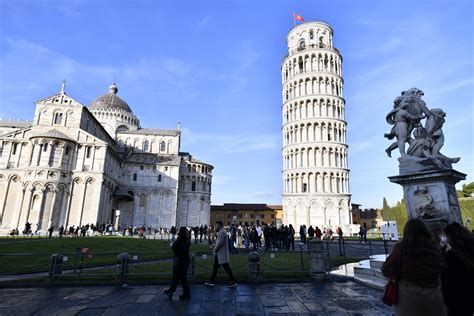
{"points": [[110, 101]]}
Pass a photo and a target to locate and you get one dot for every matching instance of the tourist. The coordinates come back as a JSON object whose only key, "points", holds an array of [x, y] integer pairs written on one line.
{"points": [[365, 232], [254, 238], [196, 233], [415, 264], [50, 231], [173, 233], [361, 234], [259, 232], [180, 265], [273, 236], [302, 234], [340, 233], [458, 273], [310, 232], [318, 233], [201, 232], [221, 256], [233, 238], [291, 238]]}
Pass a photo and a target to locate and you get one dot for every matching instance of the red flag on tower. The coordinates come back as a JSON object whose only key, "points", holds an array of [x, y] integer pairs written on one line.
{"points": [[298, 17]]}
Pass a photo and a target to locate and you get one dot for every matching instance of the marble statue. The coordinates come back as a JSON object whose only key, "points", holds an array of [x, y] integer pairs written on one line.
{"points": [[426, 175], [425, 141]]}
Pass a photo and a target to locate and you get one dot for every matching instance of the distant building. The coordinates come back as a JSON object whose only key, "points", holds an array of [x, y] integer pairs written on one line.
{"points": [[247, 214], [355, 213], [372, 217], [77, 165]]}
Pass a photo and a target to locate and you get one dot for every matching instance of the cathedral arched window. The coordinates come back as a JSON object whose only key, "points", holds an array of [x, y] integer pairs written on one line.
{"points": [[58, 118], [142, 200], [162, 146], [145, 145], [159, 178], [134, 177]]}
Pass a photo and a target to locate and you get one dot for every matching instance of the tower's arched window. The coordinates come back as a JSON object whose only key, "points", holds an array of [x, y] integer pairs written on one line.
{"points": [[58, 118], [311, 34], [162, 146], [193, 186], [88, 152], [134, 177], [145, 145], [45, 147], [302, 44], [159, 178], [66, 150]]}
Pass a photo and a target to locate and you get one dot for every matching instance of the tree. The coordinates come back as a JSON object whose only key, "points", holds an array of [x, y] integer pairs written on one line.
{"points": [[386, 211], [467, 189]]}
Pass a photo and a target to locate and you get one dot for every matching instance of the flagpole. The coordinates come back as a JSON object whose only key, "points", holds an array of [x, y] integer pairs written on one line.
{"points": [[294, 21]]}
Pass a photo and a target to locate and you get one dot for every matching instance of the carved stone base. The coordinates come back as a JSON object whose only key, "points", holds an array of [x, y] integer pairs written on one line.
{"points": [[431, 196], [410, 164]]}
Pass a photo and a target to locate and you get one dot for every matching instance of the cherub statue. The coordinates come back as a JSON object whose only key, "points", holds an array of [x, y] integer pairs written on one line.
{"points": [[403, 122]]}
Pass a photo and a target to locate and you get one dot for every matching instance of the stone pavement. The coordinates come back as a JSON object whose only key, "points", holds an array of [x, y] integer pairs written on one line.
{"points": [[317, 298]]}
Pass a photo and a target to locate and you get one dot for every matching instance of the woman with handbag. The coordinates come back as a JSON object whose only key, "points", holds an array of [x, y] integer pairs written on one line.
{"points": [[415, 264], [180, 265]]}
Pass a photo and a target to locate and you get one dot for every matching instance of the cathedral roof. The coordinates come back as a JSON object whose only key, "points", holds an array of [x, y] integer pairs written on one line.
{"points": [[148, 158], [110, 101], [153, 131], [54, 133]]}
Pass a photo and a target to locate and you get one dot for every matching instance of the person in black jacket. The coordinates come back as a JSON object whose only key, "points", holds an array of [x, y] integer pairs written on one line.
{"points": [[458, 272], [180, 265]]}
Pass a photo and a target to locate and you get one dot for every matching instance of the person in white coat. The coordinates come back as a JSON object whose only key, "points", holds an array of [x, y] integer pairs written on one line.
{"points": [[221, 256]]}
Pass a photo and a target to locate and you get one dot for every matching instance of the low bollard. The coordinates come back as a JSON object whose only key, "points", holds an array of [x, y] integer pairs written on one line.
{"points": [[123, 260], [56, 267], [318, 268], [254, 265], [192, 266]]}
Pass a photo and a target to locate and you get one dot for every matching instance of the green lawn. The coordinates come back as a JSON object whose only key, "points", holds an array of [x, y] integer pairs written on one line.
{"points": [[152, 259], [34, 255]]}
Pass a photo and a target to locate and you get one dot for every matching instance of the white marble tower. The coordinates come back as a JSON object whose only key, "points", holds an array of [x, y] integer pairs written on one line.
{"points": [[315, 169]]}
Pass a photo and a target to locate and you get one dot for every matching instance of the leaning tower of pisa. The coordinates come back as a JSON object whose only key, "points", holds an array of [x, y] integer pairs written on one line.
{"points": [[315, 169]]}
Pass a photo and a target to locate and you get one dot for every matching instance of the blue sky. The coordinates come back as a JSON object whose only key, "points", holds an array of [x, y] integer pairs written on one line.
{"points": [[214, 66]]}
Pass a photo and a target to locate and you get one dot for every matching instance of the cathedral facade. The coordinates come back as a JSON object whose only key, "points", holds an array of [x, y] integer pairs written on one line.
{"points": [[77, 165]]}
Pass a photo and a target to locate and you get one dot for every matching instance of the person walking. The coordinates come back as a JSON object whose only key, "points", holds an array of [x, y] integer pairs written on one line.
{"points": [[181, 261], [221, 256], [458, 272], [416, 263], [61, 231]]}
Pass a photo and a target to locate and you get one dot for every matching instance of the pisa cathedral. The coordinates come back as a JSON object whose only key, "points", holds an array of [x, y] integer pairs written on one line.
{"points": [[77, 165], [315, 168]]}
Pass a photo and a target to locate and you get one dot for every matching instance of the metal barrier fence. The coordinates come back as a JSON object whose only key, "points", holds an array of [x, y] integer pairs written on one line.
{"points": [[138, 265]]}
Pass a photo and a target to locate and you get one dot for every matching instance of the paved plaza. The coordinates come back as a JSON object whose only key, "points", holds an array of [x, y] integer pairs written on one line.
{"points": [[317, 298]]}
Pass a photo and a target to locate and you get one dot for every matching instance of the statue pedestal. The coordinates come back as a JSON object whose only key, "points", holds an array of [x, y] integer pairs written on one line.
{"points": [[431, 196]]}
